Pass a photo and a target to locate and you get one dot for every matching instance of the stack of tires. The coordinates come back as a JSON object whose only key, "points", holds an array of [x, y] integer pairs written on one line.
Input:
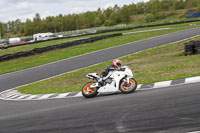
{"points": [[197, 47], [192, 47]]}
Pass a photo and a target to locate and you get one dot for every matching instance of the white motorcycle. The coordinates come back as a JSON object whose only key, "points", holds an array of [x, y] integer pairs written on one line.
{"points": [[118, 80]]}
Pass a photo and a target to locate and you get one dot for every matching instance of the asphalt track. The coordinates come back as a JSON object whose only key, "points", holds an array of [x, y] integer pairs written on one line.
{"points": [[164, 110], [26, 76]]}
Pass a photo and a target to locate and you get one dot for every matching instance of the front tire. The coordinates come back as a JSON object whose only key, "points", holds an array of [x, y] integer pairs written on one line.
{"points": [[128, 88], [89, 93]]}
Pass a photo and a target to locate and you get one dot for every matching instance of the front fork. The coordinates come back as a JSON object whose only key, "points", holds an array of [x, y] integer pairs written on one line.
{"points": [[126, 80], [96, 85]]}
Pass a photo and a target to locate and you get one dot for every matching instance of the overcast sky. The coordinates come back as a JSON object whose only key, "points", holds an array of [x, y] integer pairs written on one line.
{"points": [[23, 9]]}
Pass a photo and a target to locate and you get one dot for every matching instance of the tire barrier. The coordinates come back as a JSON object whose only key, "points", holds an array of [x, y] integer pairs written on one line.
{"points": [[192, 47], [62, 45], [145, 26]]}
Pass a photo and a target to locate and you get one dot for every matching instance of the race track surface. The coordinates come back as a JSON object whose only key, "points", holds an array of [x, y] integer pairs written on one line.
{"points": [[19, 78], [167, 110]]}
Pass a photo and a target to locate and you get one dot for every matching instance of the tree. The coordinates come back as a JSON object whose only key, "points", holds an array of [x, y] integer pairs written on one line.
{"points": [[198, 8], [97, 21], [133, 9], [178, 4], [37, 23], [155, 7], [29, 27], [189, 6], [125, 14], [109, 22], [89, 18], [108, 12], [140, 7], [116, 8], [149, 18], [1, 29]]}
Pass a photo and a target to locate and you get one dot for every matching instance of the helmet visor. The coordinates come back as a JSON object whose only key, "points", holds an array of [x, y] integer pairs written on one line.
{"points": [[118, 64]]}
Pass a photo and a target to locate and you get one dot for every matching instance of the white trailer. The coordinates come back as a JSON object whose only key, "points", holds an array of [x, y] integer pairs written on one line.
{"points": [[14, 40], [42, 36]]}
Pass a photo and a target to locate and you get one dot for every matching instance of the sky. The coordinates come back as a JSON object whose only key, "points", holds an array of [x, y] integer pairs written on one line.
{"points": [[23, 9]]}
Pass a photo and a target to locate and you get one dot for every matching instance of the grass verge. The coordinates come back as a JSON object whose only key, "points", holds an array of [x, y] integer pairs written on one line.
{"points": [[59, 54], [157, 64]]}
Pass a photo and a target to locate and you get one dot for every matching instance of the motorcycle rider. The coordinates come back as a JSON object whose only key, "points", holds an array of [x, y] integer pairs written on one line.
{"points": [[116, 65]]}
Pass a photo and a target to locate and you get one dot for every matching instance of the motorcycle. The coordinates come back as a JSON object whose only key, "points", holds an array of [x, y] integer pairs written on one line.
{"points": [[119, 80]]}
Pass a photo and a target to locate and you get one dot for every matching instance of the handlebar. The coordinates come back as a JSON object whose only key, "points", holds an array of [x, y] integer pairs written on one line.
{"points": [[120, 69]]}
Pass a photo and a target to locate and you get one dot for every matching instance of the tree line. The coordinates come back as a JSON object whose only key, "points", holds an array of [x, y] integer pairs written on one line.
{"points": [[102, 17]]}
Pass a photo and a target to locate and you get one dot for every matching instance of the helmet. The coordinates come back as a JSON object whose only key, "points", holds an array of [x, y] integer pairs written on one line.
{"points": [[117, 63]]}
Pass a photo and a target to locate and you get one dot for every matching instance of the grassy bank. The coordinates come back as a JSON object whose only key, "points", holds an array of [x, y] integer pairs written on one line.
{"points": [[158, 64]]}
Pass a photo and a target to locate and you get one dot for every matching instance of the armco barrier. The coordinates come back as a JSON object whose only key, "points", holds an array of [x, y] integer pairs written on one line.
{"points": [[103, 31], [48, 48], [192, 47]]}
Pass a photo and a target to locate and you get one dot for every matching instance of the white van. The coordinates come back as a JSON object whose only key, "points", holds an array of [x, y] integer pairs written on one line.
{"points": [[14, 40]]}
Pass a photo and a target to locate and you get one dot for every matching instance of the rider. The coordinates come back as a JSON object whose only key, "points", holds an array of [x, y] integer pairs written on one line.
{"points": [[116, 65]]}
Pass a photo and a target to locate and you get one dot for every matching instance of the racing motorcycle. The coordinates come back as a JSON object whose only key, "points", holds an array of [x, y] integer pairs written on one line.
{"points": [[118, 80]]}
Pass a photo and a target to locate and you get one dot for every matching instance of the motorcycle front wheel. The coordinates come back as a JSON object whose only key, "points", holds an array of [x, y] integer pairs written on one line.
{"points": [[128, 88], [89, 92]]}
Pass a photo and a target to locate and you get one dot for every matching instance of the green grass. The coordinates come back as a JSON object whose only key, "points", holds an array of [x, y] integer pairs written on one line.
{"points": [[58, 54], [157, 64]]}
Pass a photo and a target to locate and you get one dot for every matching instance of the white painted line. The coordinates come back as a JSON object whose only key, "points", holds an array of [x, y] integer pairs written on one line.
{"points": [[146, 31], [8, 91], [46, 96], [192, 79], [78, 95], [147, 89], [31, 97], [14, 95], [8, 94], [162, 84], [62, 95], [194, 132], [21, 97], [139, 86], [15, 91]]}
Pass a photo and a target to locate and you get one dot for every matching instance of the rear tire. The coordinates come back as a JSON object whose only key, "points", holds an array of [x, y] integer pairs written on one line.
{"points": [[89, 94], [128, 88]]}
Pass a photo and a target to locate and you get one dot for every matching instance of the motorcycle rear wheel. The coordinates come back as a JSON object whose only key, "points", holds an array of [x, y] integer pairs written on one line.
{"points": [[92, 91], [128, 88]]}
